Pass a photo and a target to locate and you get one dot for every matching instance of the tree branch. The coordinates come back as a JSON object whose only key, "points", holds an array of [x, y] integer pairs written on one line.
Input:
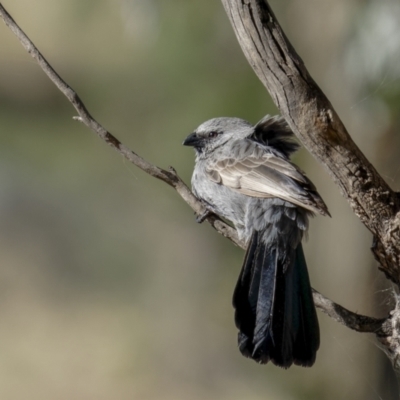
{"points": [[357, 322], [170, 177], [335, 311], [313, 119]]}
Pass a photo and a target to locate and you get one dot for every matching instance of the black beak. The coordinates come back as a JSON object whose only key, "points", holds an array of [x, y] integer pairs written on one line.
{"points": [[193, 140]]}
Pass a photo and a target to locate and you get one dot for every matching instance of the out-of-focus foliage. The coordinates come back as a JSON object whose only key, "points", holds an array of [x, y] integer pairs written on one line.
{"points": [[109, 289]]}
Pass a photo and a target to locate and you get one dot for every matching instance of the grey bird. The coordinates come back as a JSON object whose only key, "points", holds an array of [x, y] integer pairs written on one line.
{"points": [[243, 173]]}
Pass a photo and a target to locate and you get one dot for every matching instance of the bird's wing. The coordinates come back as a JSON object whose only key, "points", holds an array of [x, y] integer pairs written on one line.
{"points": [[255, 172]]}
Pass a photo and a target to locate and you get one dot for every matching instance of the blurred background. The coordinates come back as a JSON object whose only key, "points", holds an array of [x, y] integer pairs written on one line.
{"points": [[109, 288]]}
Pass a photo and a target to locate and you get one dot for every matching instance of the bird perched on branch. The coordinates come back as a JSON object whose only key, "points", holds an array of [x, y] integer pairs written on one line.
{"points": [[243, 173]]}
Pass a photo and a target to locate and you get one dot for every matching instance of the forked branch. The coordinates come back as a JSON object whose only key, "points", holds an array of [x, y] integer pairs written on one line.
{"points": [[313, 119]]}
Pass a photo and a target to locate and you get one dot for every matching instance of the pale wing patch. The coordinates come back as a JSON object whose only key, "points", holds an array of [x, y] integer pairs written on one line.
{"points": [[265, 175], [285, 167], [213, 176]]}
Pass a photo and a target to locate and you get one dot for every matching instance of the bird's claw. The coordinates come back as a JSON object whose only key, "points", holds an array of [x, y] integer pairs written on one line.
{"points": [[202, 217]]}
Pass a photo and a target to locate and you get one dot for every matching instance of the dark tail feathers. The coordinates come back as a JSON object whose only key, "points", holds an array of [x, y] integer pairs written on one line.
{"points": [[275, 312]]}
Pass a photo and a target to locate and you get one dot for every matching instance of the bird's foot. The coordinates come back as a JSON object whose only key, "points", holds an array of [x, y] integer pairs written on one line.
{"points": [[200, 218]]}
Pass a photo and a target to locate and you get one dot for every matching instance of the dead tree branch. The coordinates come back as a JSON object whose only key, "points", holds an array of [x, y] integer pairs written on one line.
{"points": [[170, 177], [315, 122], [352, 320]]}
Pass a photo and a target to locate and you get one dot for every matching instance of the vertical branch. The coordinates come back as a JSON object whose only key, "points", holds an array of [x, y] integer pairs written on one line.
{"points": [[313, 119]]}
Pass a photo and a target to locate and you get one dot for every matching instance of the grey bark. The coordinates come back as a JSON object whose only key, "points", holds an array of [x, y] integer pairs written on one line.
{"points": [[314, 121]]}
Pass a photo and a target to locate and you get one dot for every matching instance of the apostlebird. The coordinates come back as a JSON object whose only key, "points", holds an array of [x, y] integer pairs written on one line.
{"points": [[243, 174]]}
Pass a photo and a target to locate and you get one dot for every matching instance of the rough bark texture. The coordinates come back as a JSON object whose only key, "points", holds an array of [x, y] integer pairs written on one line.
{"points": [[315, 122]]}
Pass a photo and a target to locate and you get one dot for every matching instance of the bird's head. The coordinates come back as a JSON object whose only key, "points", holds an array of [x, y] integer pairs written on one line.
{"points": [[216, 132]]}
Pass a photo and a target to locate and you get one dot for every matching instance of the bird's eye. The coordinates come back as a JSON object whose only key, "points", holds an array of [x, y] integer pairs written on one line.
{"points": [[213, 134]]}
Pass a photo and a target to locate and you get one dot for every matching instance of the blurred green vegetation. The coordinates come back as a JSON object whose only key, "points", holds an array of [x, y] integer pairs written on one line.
{"points": [[110, 290]]}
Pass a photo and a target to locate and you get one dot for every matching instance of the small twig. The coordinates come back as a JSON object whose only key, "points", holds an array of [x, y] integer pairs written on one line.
{"points": [[169, 177], [335, 311], [357, 322]]}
